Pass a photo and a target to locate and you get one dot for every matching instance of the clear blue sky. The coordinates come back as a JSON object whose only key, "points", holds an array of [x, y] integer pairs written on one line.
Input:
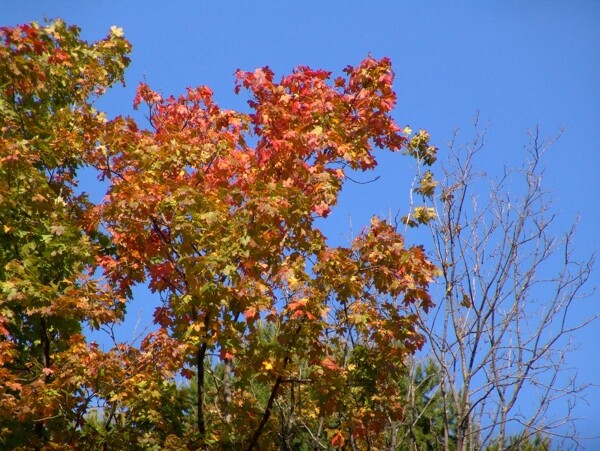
{"points": [[521, 64]]}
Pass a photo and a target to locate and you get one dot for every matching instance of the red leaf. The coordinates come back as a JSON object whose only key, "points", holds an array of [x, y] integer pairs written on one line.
{"points": [[225, 355]]}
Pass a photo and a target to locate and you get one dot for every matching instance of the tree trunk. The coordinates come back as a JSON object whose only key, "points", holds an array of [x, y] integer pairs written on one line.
{"points": [[39, 429], [227, 390], [200, 388]]}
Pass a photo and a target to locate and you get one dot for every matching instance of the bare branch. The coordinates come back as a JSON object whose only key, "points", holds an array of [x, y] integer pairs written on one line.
{"points": [[503, 326]]}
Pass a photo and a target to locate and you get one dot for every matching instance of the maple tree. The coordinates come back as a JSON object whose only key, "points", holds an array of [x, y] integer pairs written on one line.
{"points": [[215, 211], [48, 79]]}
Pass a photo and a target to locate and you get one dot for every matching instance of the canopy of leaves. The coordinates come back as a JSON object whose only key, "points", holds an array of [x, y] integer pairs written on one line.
{"points": [[215, 211], [48, 78]]}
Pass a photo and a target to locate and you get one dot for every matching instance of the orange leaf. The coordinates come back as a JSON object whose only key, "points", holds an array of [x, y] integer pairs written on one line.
{"points": [[250, 313], [13, 385], [330, 364], [338, 439], [298, 304]]}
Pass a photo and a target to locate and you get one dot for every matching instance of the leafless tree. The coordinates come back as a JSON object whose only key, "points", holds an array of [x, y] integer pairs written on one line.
{"points": [[502, 327]]}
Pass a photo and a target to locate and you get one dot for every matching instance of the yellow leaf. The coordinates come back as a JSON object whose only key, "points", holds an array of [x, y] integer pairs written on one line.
{"points": [[116, 31], [294, 283]]}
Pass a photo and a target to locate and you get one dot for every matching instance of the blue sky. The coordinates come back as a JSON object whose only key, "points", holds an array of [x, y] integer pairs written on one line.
{"points": [[520, 64]]}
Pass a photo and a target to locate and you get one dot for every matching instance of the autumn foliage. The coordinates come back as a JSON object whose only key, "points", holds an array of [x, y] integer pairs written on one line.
{"points": [[265, 334]]}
